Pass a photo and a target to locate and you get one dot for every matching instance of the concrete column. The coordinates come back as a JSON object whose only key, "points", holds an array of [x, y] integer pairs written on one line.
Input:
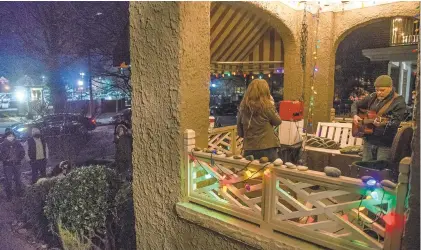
{"points": [[324, 78], [169, 45], [325, 63], [293, 73]]}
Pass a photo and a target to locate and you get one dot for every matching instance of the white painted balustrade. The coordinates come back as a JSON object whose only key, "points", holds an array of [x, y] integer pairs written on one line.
{"points": [[337, 213], [225, 139]]}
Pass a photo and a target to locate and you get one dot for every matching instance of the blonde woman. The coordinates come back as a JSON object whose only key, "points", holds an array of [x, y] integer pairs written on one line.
{"points": [[255, 121]]}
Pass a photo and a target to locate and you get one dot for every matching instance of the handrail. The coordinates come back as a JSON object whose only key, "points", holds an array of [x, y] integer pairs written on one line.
{"points": [[222, 129], [331, 212]]}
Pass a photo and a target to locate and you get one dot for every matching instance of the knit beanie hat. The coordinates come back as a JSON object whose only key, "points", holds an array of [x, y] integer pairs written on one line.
{"points": [[36, 131], [9, 133], [383, 81]]}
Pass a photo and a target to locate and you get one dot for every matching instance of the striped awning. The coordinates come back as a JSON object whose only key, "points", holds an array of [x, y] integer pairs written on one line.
{"points": [[243, 41]]}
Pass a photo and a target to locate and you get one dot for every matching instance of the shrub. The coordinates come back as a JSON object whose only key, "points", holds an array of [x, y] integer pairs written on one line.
{"points": [[33, 209], [124, 220], [72, 241], [82, 202]]}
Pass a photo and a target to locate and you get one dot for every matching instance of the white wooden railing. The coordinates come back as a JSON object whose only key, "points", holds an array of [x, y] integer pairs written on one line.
{"points": [[337, 213], [225, 139]]}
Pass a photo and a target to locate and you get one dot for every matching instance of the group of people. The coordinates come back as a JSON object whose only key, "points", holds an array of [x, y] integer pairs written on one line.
{"points": [[35, 151], [12, 155], [257, 117]]}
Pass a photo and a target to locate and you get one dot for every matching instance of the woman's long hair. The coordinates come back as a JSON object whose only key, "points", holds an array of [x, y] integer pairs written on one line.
{"points": [[257, 97]]}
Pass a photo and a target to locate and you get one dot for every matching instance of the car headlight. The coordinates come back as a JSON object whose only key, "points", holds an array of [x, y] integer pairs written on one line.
{"points": [[21, 129]]}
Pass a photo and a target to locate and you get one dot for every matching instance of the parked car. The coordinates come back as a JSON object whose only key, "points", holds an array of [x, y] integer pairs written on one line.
{"points": [[57, 124], [124, 116], [224, 109]]}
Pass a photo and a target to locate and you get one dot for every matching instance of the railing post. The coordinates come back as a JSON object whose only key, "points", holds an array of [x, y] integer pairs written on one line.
{"points": [[234, 141], [268, 192], [332, 114], [396, 220], [189, 145]]}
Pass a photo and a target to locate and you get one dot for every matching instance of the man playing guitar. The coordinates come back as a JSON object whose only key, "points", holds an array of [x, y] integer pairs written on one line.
{"points": [[385, 102]]}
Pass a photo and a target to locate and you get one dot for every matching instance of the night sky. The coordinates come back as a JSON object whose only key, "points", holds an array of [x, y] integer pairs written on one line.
{"points": [[17, 60]]}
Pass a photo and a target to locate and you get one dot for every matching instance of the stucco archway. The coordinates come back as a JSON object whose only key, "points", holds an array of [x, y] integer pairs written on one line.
{"points": [[284, 19], [341, 24], [351, 20]]}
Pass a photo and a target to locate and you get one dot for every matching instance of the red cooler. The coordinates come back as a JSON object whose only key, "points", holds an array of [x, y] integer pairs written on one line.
{"points": [[291, 110]]}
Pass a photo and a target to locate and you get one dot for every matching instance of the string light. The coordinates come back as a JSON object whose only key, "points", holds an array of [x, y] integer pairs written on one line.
{"points": [[247, 187], [248, 173], [315, 69]]}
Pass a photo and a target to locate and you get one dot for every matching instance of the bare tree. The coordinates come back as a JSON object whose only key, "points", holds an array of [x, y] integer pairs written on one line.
{"points": [[57, 33], [101, 39], [48, 32]]}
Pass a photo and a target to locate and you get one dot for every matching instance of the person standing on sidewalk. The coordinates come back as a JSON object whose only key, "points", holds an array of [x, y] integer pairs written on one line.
{"points": [[37, 154], [12, 154], [123, 156]]}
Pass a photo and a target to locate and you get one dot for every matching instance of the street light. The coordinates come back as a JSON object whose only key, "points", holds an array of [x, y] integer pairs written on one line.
{"points": [[82, 74], [20, 95], [80, 83]]}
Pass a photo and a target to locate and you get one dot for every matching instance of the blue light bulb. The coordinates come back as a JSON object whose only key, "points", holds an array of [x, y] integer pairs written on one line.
{"points": [[375, 195], [371, 182]]}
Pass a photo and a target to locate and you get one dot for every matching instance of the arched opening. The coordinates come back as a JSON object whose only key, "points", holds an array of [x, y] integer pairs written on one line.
{"points": [[382, 47], [244, 46]]}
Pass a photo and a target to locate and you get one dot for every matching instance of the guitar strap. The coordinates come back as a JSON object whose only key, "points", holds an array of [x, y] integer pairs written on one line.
{"points": [[387, 105]]}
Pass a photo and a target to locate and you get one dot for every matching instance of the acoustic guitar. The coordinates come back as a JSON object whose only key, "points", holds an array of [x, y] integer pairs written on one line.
{"points": [[366, 126]]}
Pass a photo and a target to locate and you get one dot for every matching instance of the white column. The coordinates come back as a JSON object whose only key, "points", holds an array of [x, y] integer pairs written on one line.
{"points": [[400, 78], [389, 68], [408, 82]]}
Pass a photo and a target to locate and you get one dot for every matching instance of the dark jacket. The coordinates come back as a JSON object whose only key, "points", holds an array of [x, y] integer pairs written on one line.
{"points": [[257, 129], [123, 157], [383, 135], [32, 148], [11, 152]]}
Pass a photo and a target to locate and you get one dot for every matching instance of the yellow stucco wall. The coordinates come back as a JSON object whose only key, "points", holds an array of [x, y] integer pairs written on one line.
{"points": [[169, 44]]}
